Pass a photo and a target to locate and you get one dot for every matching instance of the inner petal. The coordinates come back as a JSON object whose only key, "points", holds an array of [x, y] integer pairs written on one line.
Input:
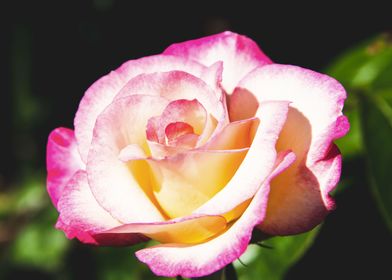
{"points": [[180, 126], [177, 129], [184, 182]]}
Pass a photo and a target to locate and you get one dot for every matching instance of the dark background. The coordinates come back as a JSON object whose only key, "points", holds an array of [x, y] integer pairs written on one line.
{"points": [[51, 52]]}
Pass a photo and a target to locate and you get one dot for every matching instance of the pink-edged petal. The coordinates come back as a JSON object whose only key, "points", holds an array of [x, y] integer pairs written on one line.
{"points": [[81, 216], [103, 91], [184, 182], [79, 209], [176, 85], [315, 119], [71, 232], [297, 202], [62, 161], [187, 230], [171, 260], [318, 99], [239, 55], [124, 189], [257, 164]]}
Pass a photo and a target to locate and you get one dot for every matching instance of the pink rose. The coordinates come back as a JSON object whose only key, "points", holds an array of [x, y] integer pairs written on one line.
{"points": [[196, 148]]}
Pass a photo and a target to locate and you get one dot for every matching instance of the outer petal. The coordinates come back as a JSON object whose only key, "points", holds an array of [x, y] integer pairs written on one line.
{"points": [[239, 54], [257, 164], [188, 230], [62, 161], [194, 261], [79, 209], [103, 91], [124, 189], [81, 216], [299, 197]]}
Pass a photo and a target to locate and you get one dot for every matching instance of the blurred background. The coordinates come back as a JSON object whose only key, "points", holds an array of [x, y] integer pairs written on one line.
{"points": [[52, 51]]}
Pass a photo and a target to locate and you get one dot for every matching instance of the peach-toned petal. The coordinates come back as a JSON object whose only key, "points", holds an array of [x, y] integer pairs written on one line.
{"points": [[124, 189], [184, 182], [299, 197], [239, 55], [62, 161], [296, 203], [103, 91], [235, 135], [257, 164], [187, 230], [202, 259]]}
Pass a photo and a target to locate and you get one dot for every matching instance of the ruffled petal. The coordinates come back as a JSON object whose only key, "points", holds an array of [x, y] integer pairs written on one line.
{"points": [[299, 197], [239, 55], [62, 161]]}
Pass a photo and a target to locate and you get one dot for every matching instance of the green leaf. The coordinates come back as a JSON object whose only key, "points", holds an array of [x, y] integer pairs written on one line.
{"points": [[364, 66], [272, 264], [39, 245], [376, 115], [122, 264]]}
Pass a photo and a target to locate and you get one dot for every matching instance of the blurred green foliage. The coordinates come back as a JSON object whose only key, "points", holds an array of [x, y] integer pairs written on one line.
{"points": [[28, 240], [366, 73], [274, 259]]}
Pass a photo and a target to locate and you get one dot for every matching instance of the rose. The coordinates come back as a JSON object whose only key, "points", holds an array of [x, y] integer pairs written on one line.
{"points": [[196, 148]]}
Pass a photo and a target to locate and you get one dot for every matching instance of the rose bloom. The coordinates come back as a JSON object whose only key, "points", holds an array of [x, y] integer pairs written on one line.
{"points": [[196, 148]]}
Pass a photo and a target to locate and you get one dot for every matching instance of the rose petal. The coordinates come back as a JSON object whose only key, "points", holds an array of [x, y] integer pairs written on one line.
{"points": [[296, 203], [176, 85], [239, 54], [131, 152], [256, 166], [81, 216], [79, 209], [184, 182], [235, 135], [188, 230], [124, 189], [171, 260], [103, 91], [62, 161], [299, 197], [190, 112]]}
